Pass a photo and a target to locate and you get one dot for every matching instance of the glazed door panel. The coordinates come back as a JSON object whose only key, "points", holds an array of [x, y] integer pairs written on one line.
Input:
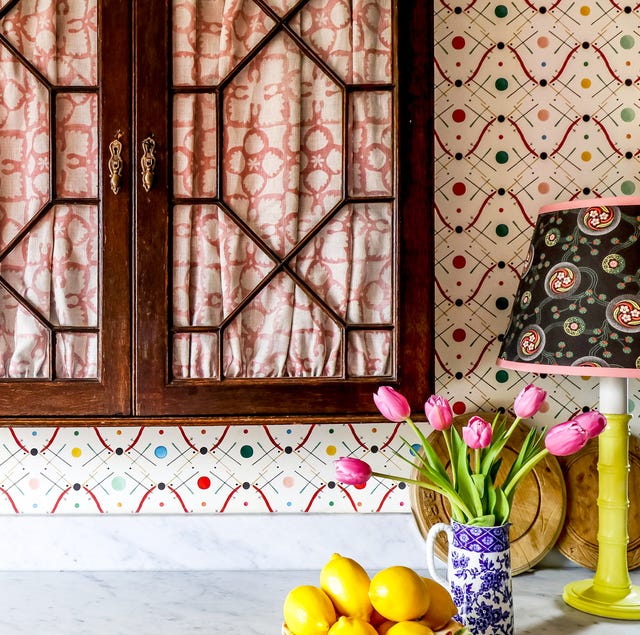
{"points": [[280, 220], [59, 354]]}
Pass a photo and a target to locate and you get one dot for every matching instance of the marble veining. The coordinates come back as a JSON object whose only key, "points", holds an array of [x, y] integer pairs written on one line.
{"points": [[206, 542], [232, 603]]}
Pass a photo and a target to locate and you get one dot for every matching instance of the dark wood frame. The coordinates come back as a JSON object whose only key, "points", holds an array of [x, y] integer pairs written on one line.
{"points": [[159, 400]]}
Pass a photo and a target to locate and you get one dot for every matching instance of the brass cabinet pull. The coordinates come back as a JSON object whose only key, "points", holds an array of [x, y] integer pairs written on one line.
{"points": [[115, 162], [148, 162]]}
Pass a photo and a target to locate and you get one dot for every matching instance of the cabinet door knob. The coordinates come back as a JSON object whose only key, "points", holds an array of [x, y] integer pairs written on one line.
{"points": [[115, 162], [148, 162]]}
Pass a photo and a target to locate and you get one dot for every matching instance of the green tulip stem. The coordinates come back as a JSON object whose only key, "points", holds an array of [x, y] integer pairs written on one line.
{"points": [[476, 458], [447, 439], [523, 471], [453, 497], [513, 426]]}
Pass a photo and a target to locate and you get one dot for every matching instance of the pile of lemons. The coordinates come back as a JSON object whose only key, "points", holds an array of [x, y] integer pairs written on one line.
{"points": [[396, 601]]}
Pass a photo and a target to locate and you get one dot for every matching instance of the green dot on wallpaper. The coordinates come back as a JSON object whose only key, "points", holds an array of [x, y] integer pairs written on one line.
{"points": [[502, 84], [502, 376], [626, 41], [627, 114], [502, 157], [501, 11], [627, 187], [502, 230]]}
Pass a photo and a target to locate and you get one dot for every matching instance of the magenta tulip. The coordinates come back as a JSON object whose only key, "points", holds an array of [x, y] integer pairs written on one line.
{"points": [[352, 471], [566, 438], [439, 413], [528, 402], [592, 422], [391, 404], [477, 433]]}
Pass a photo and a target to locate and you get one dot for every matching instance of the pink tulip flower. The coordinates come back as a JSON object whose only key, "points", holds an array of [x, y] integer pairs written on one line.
{"points": [[592, 422], [528, 402], [352, 471], [391, 404], [477, 433], [439, 412], [566, 438]]}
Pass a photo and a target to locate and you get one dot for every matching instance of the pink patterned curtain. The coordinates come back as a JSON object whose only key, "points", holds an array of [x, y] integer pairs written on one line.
{"points": [[48, 251], [291, 262]]}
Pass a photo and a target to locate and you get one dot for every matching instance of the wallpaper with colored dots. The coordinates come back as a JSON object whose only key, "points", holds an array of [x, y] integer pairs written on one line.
{"points": [[535, 102]]}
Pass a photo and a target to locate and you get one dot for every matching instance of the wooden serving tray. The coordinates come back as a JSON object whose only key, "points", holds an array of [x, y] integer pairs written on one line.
{"points": [[539, 506], [578, 540]]}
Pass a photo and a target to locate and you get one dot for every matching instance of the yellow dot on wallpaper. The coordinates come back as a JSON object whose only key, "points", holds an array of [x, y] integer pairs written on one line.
{"points": [[585, 10], [331, 450], [585, 83], [586, 156], [76, 452], [543, 188]]}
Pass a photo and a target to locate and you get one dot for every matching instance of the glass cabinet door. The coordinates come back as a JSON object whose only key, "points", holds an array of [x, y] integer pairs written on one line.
{"points": [[281, 210], [58, 353]]}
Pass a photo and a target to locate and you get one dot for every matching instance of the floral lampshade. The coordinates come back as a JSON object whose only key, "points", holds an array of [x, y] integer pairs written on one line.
{"points": [[577, 309]]}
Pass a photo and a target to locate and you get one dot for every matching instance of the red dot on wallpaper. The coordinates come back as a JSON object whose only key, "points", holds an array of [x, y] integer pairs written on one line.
{"points": [[459, 335], [459, 262], [458, 408], [543, 188], [543, 115], [458, 42], [204, 482], [458, 115], [459, 188], [543, 42]]}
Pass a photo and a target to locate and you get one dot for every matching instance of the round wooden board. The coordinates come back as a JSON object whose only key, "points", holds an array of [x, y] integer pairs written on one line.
{"points": [[578, 540], [539, 506]]}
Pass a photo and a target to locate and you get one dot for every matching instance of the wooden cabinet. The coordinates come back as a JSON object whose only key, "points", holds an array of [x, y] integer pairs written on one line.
{"points": [[268, 254]]}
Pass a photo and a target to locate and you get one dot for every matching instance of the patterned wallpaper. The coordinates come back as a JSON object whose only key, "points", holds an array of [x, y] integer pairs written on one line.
{"points": [[535, 102]]}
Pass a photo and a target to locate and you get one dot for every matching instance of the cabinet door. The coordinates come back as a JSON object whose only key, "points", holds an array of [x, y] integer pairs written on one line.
{"points": [[64, 256], [282, 265]]}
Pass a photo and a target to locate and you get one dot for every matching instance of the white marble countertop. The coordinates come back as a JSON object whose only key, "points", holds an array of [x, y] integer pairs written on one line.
{"points": [[232, 603]]}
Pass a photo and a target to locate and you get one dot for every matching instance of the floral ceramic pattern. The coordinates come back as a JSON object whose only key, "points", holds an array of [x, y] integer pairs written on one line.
{"points": [[480, 578]]}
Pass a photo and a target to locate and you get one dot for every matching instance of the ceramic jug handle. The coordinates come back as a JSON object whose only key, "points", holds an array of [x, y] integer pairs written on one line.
{"points": [[432, 534]]}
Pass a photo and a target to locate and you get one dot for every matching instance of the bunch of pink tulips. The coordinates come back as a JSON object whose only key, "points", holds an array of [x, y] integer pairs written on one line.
{"points": [[470, 485]]}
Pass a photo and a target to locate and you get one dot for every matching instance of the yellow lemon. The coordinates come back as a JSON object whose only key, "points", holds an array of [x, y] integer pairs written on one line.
{"points": [[399, 594], [441, 607], [352, 626], [308, 611], [410, 628], [347, 584]]}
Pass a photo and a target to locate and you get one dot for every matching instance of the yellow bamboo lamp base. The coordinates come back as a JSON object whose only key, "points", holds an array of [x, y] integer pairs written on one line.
{"points": [[610, 593]]}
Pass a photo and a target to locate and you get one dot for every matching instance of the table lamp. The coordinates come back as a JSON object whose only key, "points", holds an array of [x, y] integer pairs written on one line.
{"points": [[577, 312]]}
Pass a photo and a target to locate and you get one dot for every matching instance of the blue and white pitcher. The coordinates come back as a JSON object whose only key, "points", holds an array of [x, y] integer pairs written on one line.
{"points": [[479, 575]]}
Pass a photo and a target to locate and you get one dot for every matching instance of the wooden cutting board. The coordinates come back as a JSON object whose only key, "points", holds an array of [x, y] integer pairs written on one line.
{"points": [[578, 540], [539, 506]]}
